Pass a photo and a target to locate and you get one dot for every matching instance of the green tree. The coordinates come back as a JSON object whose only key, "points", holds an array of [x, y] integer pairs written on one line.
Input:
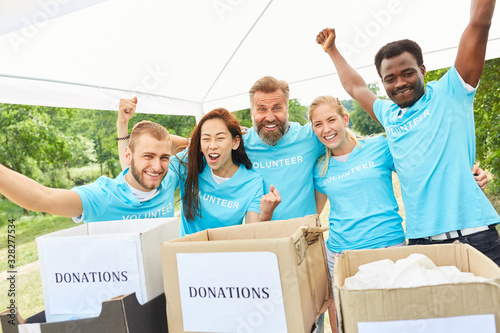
{"points": [[100, 127], [33, 143], [486, 117], [178, 125], [487, 121], [35, 146], [298, 112], [362, 123]]}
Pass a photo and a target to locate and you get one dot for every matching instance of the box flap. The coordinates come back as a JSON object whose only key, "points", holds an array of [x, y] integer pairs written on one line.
{"points": [[122, 314], [263, 230], [128, 226], [79, 230], [150, 242]]}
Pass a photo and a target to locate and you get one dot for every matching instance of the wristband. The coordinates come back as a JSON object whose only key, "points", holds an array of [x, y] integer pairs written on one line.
{"points": [[124, 138]]}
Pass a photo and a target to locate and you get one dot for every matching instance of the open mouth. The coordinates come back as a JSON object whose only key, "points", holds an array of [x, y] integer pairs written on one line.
{"points": [[330, 138], [213, 157], [270, 127]]}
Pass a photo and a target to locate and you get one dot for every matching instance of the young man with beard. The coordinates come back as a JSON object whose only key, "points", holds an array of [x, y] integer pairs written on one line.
{"points": [[142, 191], [430, 130]]}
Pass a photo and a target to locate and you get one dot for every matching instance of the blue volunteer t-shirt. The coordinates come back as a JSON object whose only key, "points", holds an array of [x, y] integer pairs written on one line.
{"points": [[433, 146], [111, 199], [289, 167], [363, 209], [222, 204]]}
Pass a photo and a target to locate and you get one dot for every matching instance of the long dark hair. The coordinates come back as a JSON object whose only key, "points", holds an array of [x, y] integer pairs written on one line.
{"points": [[196, 162]]}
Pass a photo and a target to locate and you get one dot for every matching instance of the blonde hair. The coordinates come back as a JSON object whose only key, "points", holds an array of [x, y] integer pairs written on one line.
{"points": [[334, 103], [269, 84], [155, 130]]}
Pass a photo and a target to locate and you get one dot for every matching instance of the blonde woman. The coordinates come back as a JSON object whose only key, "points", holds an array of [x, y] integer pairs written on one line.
{"points": [[356, 176]]}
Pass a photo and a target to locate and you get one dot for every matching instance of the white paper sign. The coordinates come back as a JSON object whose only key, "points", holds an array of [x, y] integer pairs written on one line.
{"points": [[231, 292], [83, 274], [462, 324]]}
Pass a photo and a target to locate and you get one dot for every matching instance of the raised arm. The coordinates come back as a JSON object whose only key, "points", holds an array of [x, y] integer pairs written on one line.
{"points": [[352, 82], [472, 48], [126, 110], [31, 195]]}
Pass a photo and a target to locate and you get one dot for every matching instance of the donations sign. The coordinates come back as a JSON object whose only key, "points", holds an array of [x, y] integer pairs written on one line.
{"points": [[231, 292]]}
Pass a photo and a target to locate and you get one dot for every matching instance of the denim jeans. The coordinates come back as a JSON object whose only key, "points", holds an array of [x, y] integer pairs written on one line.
{"points": [[488, 242]]}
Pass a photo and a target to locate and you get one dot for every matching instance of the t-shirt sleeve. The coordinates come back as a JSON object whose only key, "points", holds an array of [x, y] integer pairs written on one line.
{"points": [[317, 145], [387, 153], [93, 200], [177, 168], [175, 161], [381, 108], [259, 192], [317, 177], [454, 86]]}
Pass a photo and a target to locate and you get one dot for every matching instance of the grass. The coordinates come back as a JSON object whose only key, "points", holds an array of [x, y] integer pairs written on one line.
{"points": [[27, 228], [29, 297], [28, 287]]}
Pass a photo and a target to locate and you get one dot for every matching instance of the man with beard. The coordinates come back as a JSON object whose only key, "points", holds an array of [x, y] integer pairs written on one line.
{"points": [[430, 130], [283, 152], [144, 192]]}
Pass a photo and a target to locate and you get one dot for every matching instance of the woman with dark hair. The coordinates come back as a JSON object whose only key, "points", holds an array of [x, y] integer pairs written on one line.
{"points": [[218, 187]]}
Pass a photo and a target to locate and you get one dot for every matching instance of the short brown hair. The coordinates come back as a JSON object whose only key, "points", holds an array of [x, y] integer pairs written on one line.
{"points": [[269, 84], [155, 130]]}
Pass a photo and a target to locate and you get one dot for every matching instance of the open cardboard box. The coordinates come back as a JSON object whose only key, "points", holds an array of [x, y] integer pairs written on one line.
{"points": [[440, 301], [83, 266], [260, 277], [122, 314]]}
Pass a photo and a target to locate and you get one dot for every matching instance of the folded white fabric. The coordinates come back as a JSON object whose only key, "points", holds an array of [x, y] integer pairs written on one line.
{"points": [[414, 271]]}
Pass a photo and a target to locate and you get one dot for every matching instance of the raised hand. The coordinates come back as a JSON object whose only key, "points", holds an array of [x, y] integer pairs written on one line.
{"points": [[126, 109], [326, 38], [268, 203]]}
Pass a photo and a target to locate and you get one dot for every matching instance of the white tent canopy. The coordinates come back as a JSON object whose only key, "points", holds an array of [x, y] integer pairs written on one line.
{"points": [[190, 56]]}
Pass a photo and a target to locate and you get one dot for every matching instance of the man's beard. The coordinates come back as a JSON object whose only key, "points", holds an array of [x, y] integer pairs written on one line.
{"points": [[138, 177], [271, 138]]}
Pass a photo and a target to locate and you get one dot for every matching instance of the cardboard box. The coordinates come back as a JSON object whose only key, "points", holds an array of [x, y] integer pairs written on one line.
{"points": [[373, 306], [260, 277], [119, 315], [83, 266]]}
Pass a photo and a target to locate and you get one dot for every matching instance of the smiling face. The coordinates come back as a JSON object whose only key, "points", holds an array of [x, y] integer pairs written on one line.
{"points": [[270, 116], [148, 162], [403, 79], [331, 129], [217, 145]]}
